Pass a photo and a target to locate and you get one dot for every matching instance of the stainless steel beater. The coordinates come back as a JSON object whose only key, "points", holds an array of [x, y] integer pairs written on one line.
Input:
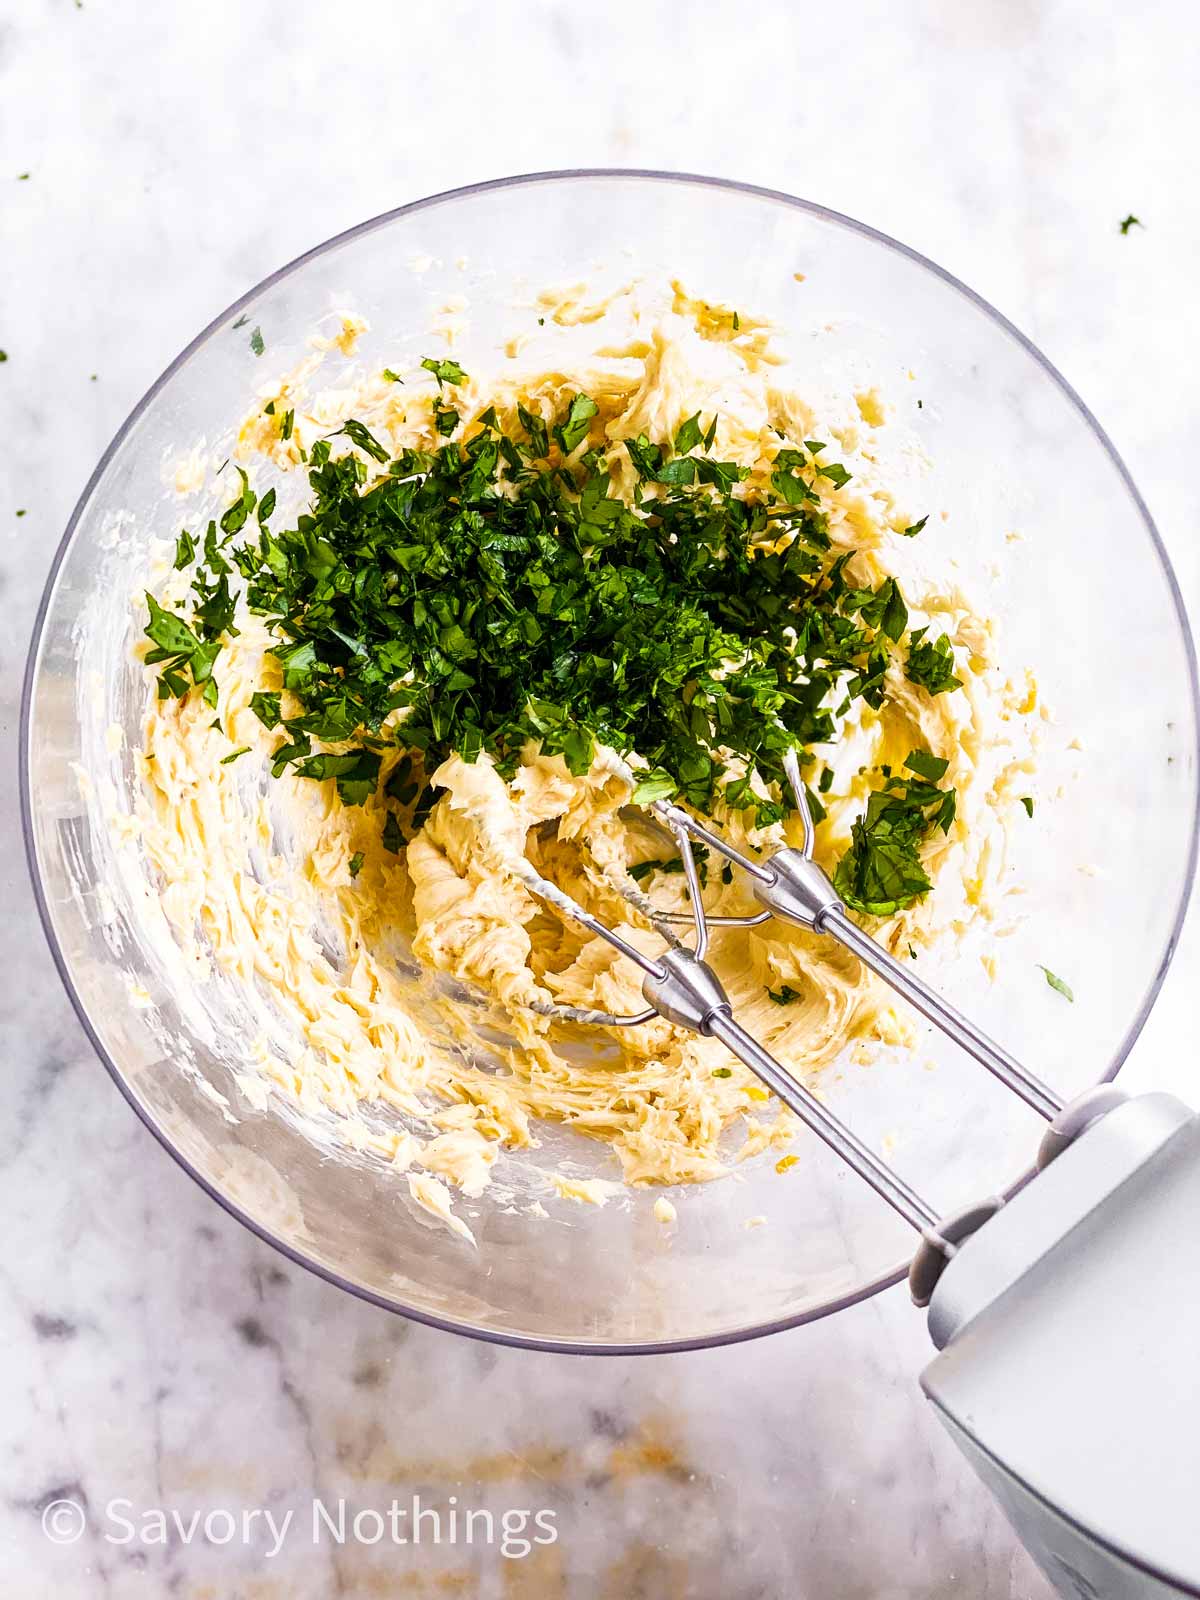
{"points": [[1067, 1317], [789, 884]]}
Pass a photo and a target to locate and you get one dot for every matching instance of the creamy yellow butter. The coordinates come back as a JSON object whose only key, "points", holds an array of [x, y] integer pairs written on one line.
{"points": [[255, 875]]}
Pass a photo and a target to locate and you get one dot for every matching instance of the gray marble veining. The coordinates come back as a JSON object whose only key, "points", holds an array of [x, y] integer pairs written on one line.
{"points": [[155, 1353]]}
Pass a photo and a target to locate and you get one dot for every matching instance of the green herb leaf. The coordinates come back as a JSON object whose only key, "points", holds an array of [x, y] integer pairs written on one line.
{"points": [[654, 786], [365, 440], [539, 437], [1056, 982], [355, 863], [1130, 222], [926, 766], [356, 773], [1027, 802], [234, 518], [265, 707], [446, 371], [784, 996], [881, 873], [646, 457], [168, 631], [573, 429], [689, 435], [932, 664], [679, 472], [914, 528], [643, 869], [256, 342], [243, 750]]}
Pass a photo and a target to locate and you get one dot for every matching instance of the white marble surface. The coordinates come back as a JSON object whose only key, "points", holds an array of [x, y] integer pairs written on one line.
{"points": [[152, 1349]]}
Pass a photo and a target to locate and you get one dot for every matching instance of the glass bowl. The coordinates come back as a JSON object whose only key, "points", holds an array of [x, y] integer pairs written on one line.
{"points": [[1085, 597]]}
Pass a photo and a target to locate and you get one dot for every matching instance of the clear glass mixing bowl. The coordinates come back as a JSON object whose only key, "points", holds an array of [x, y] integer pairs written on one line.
{"points": [[1086, 598]]}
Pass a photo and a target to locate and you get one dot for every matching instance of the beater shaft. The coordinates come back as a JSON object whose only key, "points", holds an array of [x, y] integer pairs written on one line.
{"points": [[941, 1013], [688, 993], [792, 886], [886, 1183]]}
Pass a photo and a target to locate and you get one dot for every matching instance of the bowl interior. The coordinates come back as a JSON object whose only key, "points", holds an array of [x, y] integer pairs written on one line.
{"points": [[1082, 596]]}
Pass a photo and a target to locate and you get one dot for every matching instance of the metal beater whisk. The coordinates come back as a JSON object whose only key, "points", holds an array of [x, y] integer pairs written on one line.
{"points": [[680, 986]]}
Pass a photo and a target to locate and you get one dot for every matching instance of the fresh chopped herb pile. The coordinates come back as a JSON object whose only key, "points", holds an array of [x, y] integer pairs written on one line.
{"points": [[882, 872], [494, 591]]}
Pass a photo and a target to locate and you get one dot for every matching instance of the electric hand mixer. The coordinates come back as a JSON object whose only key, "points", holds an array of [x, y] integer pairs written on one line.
{"points": [[1067, 1317]]}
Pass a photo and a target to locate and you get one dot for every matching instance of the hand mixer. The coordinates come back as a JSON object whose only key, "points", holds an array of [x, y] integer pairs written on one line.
{"points": [[1068, 1317]]}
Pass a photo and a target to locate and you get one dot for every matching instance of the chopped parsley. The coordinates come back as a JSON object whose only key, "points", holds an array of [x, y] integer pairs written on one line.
{"points": [[354, 865], [186, 657], [931, 664], [365, 440], [492, 590], [244, 750], [444, 371], [21, 510], [1130, 222], [241, 322], [784, 996], [266, 707], [392, 377], [722, 1072], [1027, 802], [573, 430], [643, 869], [256, 342], [881, 873], [931, 768], [1058, 983], [3, 355]]}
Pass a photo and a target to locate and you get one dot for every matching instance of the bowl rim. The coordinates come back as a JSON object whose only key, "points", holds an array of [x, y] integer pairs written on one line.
{"points": [[825, 214]]}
